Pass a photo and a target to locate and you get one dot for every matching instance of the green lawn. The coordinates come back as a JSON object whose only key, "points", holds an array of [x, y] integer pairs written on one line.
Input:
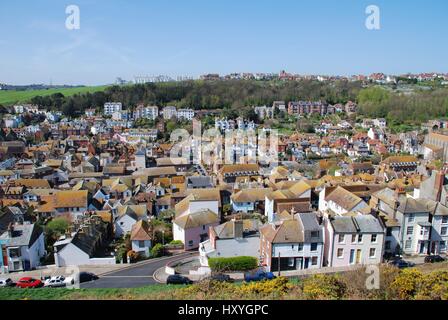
{"points": [[8, 97], [149, 292]]}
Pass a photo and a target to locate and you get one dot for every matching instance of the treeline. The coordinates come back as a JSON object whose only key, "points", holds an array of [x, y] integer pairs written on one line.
{"points": [[399, 108], [204, 94]]}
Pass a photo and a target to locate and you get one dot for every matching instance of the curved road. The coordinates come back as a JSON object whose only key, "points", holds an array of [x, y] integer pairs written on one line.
{"points": [[137, 275]]}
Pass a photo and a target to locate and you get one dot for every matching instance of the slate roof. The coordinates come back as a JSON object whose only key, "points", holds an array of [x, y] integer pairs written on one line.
{"points": [[22, 235], [196, 219]]}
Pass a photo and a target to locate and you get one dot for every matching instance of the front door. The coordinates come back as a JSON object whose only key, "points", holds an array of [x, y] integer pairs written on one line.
{"points": [[352, 256], [433, 247], [358, 256], [422, 247]]}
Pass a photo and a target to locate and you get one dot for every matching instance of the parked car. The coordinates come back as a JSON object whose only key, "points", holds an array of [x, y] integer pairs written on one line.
{"points": [[221, 277], [433, 259], [87, 277], [28, 282], [6, 283], [58, 281], [258, 276], [178, 279], [400, 263]]}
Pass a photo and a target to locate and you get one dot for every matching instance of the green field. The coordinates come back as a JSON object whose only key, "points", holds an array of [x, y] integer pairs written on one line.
{"points": [[9, 97]]}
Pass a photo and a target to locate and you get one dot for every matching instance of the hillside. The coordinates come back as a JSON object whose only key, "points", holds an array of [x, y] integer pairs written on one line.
{"points": [[12, 96]]}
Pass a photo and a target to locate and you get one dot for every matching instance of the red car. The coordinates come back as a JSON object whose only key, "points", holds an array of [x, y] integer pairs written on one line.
{"points": [[28, 282]]}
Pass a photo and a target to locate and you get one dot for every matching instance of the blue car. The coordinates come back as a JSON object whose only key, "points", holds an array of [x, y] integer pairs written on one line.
{"points": [[258, 276]]}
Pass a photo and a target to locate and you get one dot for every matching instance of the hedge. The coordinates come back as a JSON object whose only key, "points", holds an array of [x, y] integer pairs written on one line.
{"points": [[242, 263]]}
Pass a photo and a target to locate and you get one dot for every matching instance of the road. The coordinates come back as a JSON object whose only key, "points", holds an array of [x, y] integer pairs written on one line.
{"points": [[138, 275]]}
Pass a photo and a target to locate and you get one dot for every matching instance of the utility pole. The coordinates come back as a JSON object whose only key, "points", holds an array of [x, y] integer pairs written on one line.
{"points": [[279, 260]]}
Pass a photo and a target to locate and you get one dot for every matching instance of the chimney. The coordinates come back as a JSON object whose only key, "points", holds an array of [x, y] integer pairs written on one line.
{"points": [[438, 184], [238, 229]]}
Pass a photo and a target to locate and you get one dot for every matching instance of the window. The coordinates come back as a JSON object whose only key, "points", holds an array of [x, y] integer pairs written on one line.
{"points": [[340, 253], [443, 231], [141, 244], [290, 262], [373, 239], [203, 227], [372, 252], [314, 234], [360, 238], [190, 243], [300, 247], [411, 217], [314, 261], [341, 238], [445, 219], [389, 232], [442, 246], [314, 247], [353, 238], [409, 231], [408, 244]]}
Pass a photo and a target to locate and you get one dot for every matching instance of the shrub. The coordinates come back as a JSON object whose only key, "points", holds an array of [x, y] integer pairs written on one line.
{"points": [[324, 287], [157, 250], [407, 283], [434, 286], [176, 242], [278, 286], [242, 263]]}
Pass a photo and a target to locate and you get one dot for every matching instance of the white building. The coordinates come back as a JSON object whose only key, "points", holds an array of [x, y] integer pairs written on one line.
{"points": [[24, 246], [112, 107], [169, 112], [19, 109], [353, 240], [146, 112], [185, 114]]}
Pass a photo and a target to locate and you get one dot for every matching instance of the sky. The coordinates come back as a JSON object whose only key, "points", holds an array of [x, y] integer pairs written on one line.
{"points": [[126, 38]]}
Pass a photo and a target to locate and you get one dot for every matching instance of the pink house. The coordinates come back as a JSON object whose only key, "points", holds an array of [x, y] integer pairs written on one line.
{"points": [[192, 228]]}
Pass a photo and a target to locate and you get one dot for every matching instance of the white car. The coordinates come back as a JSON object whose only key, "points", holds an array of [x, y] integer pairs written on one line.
{"points": [[58, 281], [6, 283]]}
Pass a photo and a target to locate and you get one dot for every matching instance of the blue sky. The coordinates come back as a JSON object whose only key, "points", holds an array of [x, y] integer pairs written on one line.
{"points": [[123, 38]]}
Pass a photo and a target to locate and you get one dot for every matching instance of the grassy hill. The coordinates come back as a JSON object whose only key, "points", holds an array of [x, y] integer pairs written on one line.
{"points": [[8, 97]]}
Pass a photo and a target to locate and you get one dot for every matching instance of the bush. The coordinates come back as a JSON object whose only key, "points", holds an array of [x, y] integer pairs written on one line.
{"points": [[157, 250], [176, 242], [434, 286], [406, 284], [323, 287], [278, 286], [242, 263]]}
